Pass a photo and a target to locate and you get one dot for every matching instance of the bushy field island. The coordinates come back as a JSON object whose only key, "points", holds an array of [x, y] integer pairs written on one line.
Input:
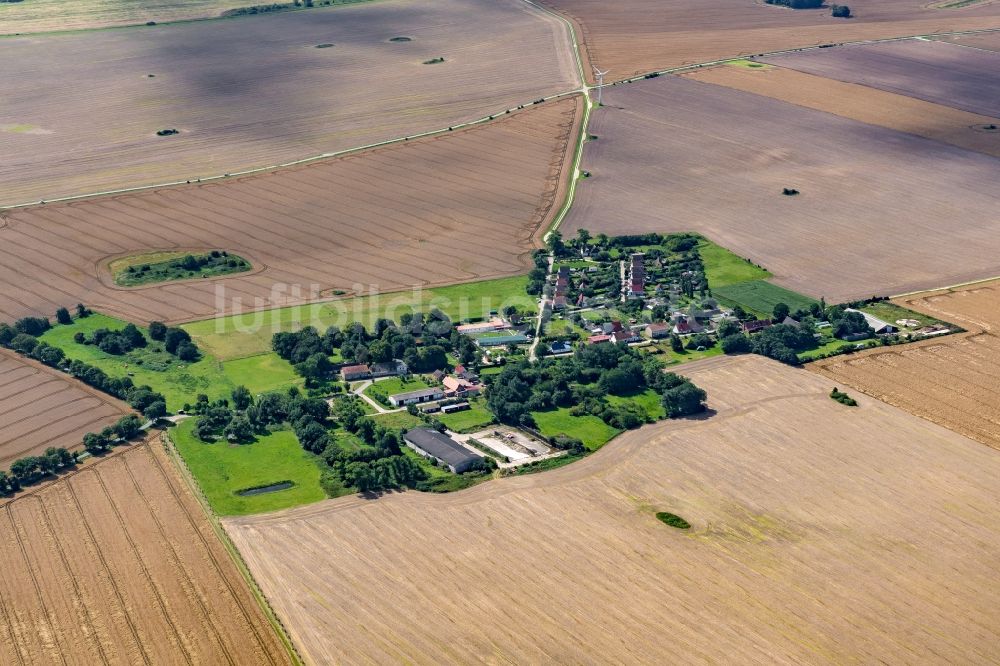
{"points": [[675, 155], [952, 381], [117, 564], [779, 517], [255, 91], [463, 206], [41, 407], [151, 268]]}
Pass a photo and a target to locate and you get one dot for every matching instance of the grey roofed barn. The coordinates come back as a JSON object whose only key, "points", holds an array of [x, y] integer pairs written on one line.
{"points": [[434, 444]]}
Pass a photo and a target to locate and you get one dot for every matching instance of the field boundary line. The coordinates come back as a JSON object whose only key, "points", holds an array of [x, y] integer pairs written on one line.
{"points": [[950, 287], [185, 473]]}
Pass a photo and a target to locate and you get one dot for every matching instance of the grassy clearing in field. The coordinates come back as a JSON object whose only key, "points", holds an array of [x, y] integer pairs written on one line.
{"points": [[648, 400], [760, 297], [261, 373], [223, 469], [244, 335], [398, 420], [748, 64], [724, 268], [589, 429], [471, 420], [180, 382]]}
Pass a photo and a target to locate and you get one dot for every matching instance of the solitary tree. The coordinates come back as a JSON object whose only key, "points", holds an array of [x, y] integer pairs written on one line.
{"points": [[63, 316]]}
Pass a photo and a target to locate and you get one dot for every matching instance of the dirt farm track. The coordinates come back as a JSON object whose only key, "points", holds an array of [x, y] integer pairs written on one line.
{"points": [[40, 407], [954, 381], [446, 209], [117, 564], [674, 154], [81, 111], [821, 534]]}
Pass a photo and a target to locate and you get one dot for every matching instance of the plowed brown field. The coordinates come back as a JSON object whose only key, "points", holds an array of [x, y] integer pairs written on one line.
{"points": [[674, 154], [446, 209], [821, 534], [954, 381], [859, 102], [40, 407], [632, 37], [937, 72], [48, 15], [117, 564], [80, 112]]}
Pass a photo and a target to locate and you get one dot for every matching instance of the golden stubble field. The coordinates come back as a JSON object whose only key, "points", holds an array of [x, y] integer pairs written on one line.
{"points": [[117, 564], [81, 110], [954, 381], [821, 534]]}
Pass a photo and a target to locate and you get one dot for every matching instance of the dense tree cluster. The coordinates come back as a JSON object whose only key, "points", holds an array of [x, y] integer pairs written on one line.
{"points": [[582, 383], [29, 469], [379, 464], [125, 429], [421, 341]]}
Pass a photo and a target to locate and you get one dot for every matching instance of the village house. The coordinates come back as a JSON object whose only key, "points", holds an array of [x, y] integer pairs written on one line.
{"points": [[880, 327], [352, 373], [658, 331], [463, 387], [392, 368], [755, 325]]}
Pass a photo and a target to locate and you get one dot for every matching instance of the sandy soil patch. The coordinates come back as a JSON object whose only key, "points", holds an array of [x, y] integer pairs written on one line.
{"points": [[674, 154], [256, 91], [41, 407], [858, 102], [954, 381], [117, 564], [632, 37], [446, 209], [821, 534], [938, 72]]}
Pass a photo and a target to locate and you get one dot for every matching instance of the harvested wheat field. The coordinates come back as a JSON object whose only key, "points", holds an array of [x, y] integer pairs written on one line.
{"points": [[954, 381], [446, 209], [117, 564], [48, 15], [858, 102], [938, 72], [633, 37], [40, 407], [674, 154], [820, 534], [986, 40], [81, 111]]}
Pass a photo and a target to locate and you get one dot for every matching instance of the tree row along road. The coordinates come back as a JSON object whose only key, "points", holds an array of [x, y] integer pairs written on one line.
{"points": [[584, 89]]}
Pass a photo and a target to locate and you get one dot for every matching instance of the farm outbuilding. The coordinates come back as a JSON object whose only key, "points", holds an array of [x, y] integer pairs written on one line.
{"points": [[441, 447], [415, 397]]}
